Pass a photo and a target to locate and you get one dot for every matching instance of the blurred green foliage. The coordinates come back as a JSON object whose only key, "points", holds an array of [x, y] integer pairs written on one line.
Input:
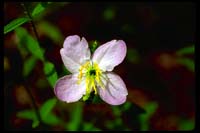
{"points": [[109, 14], [133, 56], [29, 65], [89, 127], [38, 9], [29, 42], [188, 63], [30, 115], [75, 117], [144, 118], [19, 21], [186, 125], [51, 31], [186, 50], [47, 107], [184, 60], [45, 111], [50, 73], [34, 48]]}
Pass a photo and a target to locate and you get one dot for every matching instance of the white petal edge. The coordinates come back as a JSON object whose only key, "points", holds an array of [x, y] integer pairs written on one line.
{"points": [[110, 54]]}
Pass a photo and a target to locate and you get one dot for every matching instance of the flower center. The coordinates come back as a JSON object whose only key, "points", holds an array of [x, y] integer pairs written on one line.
{"points": [[91, 73]]}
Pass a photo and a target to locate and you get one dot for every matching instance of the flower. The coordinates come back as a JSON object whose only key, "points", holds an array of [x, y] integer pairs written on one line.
{"points": [[91, 73]]}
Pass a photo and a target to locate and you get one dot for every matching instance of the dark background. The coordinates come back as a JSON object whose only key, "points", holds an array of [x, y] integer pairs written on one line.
{"points": [[154, 31]]}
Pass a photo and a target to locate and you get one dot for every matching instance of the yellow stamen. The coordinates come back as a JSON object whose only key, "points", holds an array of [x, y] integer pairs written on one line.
{"points": [[92, 75]]}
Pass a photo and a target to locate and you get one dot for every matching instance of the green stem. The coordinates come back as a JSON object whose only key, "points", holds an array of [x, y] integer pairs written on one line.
{"points": [[27, 88], [31, 20]]}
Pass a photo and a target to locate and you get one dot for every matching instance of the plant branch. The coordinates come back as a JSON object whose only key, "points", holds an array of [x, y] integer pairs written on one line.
{"points": [[31, 20], [27, 88]]}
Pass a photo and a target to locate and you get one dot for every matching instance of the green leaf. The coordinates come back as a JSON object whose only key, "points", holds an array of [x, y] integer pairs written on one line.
{"points": [[23, 50], [144, 118], [186, 50], [52, 119], [47, 108], [46, 112], [186, 125], [50, 73], [29, 64], [30, 43], [51, 31], [89, 127], [188, 63], [38, 9], [35, 124], [76, 117], [30, 115], [27, 114], [15, 23]]}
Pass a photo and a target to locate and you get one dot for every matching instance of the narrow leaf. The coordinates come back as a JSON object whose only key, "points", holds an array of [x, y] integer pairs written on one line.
{"points": [[32, 45], [29, 64], [186, 50], [15, 23], [188, 63], [50, 73], [144, 118], [30, 115], [27, 114], [38, 9], [76, 117], [47, 107], [52, 119]]}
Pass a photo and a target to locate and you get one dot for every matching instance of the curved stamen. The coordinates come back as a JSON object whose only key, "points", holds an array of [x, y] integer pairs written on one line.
{"points": [[92, 75]]}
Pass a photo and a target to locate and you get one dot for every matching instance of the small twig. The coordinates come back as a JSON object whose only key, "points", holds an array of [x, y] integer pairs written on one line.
{"points": [[32, 23], [33, 103], [27, 88]]}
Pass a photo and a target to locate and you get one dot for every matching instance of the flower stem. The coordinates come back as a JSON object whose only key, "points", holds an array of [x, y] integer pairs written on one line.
{"points": [[34, 104], [31, 20], [27, 88]]}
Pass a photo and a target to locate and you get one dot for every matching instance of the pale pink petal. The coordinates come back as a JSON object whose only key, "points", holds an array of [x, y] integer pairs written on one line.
{"points": [[74, 52], [67, 89], [110, 54], [115, 90]]}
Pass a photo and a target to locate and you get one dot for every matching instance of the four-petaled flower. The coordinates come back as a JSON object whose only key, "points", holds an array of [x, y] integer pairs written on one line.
{"points": [[91, 73]]}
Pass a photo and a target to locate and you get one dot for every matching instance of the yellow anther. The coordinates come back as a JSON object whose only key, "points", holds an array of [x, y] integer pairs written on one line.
{"points": [[92, 76]]}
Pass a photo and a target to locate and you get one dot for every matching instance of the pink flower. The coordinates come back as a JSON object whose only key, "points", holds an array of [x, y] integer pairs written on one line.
{"points": [[91, 73]]}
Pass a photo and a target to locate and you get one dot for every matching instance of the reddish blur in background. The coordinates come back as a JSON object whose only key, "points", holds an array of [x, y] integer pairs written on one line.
{"points": [[161, 89]]}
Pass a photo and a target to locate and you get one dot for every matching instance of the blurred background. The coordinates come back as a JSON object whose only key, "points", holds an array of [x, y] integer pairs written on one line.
{"points": [[158, 69]]}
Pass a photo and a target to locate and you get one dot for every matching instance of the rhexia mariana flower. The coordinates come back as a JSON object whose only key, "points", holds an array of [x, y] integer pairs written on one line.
{"points": [[91, 73]]}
